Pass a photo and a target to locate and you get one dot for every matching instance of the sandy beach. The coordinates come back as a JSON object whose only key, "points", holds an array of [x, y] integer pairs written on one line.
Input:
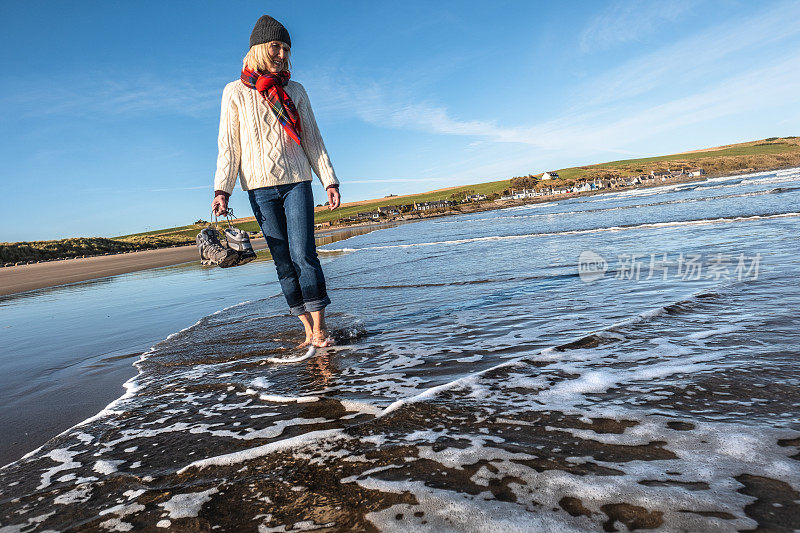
{"points": [[24, 278], [40, 275]]}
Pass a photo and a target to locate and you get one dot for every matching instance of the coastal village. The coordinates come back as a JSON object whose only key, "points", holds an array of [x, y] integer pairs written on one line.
{"points": [[528, 187]]}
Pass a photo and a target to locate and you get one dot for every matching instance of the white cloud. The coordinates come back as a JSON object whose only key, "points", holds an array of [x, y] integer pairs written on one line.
{"points": [[168, 189], [691, 80], [696, 59], [112, 94], [626, 21], [387, 180], [747, 92]]}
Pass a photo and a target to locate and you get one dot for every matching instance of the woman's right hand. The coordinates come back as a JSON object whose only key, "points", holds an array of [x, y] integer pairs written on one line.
{"points": [[220, 205]]}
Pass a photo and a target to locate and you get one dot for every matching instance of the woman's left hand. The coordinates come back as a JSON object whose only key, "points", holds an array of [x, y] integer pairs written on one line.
{"points": [[333, 198]]}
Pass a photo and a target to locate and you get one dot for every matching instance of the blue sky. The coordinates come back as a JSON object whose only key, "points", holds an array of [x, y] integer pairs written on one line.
{"points": [[109, 110]]}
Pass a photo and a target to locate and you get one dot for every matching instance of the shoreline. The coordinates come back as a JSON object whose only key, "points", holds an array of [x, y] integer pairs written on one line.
{"points": [[51, 406], [494, 205], [46, 274], [33, 276]]}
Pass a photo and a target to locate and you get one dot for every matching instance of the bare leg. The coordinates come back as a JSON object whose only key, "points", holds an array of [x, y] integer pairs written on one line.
{"points": [[306, 319], [320, 331]]}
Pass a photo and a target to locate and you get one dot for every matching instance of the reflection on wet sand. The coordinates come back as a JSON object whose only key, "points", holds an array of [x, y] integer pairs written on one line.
{"points": [[320, 370], [339, 234]]}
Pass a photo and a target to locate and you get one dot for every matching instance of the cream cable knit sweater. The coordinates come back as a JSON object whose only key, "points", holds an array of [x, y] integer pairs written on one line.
{"points": [[253, 144]]}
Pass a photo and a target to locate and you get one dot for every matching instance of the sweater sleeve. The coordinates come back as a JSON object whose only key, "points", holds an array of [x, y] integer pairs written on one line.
{"points": [[313, 146], [230, 150]]}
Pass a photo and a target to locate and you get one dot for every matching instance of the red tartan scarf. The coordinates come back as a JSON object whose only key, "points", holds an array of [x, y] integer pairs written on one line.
{"points": [[270, 86]]}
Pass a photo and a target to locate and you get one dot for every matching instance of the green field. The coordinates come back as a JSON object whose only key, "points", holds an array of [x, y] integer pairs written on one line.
{"points": [[711, 161], [757, 154], [159, 231], [342, 212]]}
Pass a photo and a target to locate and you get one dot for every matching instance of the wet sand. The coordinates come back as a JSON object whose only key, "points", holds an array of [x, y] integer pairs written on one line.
{"points": [[40, 275], [476, 384]]}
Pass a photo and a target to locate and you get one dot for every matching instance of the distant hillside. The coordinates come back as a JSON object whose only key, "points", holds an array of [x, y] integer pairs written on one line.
{"points": [[775, 152], [323, 214], [765, 154]]}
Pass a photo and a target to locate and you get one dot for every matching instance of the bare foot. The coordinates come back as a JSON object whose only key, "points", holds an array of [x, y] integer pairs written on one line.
{"points": [[308, 326], [306, 342], [320, 339]]}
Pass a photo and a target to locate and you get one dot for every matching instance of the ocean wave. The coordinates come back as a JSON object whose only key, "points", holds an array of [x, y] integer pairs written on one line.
{"points": [[677, 187], [136, 385], [528, 206], [769, 180], [456, 283], [610, 334], [776, 190], [694, 222]]}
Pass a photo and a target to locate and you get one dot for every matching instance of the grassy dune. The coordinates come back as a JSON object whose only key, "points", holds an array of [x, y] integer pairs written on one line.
{"points": [[15, 252], [764, 154]]}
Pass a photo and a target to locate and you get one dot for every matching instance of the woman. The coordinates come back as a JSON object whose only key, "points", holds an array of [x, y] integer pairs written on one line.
{"points": [[269, 137]]}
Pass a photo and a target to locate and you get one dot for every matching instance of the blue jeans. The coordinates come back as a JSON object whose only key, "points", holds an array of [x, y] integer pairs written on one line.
{"points": [[285, 214]]}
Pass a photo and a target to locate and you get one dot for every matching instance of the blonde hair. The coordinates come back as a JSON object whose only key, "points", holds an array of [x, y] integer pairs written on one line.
{"points": [[258, 58]]}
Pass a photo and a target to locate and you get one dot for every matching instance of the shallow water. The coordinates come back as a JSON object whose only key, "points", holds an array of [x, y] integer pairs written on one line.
{"points": [[68, 349], [481, 381]]}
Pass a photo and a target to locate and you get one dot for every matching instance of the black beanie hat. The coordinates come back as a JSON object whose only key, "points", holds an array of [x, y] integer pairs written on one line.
{"points": [[268, 29]]}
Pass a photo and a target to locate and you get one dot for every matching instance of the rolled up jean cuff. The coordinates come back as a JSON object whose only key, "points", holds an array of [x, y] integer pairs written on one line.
{"points": [[307, 307]]}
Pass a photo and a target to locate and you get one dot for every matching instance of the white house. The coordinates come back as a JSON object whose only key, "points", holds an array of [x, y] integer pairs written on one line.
{"points": [[424, 206], [475, 197], [389, 210], [660, 175], [552, 175]]}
